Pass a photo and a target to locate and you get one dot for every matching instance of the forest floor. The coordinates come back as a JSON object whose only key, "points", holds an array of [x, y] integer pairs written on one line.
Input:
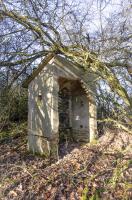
{"points": [[102, 170]]}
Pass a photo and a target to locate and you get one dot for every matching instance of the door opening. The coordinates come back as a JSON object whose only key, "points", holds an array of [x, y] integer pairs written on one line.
{"points": [[73, 114]]}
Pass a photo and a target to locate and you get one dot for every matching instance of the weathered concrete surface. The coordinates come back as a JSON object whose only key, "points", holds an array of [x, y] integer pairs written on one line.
{"points": [[43, 116], [38, 144]]}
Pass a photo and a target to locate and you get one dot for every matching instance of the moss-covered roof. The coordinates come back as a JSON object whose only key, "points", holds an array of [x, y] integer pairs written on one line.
{"points": [[62, 61]]}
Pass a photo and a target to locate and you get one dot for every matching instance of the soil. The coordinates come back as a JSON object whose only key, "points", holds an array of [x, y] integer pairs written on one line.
{"points": [[102, 170]]}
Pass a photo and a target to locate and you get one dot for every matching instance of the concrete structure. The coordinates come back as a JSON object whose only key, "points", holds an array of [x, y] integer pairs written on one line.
{"points": [[61, 103]]}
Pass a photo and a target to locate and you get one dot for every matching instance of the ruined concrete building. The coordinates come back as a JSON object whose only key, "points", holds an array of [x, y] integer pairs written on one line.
{"points": [[61, 103]]}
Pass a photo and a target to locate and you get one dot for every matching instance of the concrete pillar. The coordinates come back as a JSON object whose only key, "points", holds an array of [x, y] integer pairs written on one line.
{"points": [[54, 120], [92, 117], [43, 120]]}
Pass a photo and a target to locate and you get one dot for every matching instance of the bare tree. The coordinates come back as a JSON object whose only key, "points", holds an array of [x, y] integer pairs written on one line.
{"points": [[83, 32]]}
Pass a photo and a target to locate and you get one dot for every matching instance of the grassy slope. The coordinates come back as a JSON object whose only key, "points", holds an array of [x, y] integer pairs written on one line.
{"points": [[97, 171]]}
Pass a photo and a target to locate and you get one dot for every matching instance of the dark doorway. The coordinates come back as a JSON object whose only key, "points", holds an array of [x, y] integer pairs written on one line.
{"points": [[73, 115], [64, 112]]}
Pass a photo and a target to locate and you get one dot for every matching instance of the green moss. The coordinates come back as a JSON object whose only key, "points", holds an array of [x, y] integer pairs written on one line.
{"points": [[85, 194], [94, 141], [13, 130]]}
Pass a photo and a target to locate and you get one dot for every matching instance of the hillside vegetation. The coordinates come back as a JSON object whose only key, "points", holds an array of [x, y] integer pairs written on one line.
{"points": [[101, 170]]}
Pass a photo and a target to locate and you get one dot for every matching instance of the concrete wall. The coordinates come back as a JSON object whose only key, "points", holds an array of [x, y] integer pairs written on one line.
{"points": [[68, 70], [80, 117], [40, 110], [43, 119]]}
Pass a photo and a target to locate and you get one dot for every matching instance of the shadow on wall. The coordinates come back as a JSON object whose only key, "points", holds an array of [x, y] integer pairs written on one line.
{"points": [[39, 115], [40, 109], [43, 114]]}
